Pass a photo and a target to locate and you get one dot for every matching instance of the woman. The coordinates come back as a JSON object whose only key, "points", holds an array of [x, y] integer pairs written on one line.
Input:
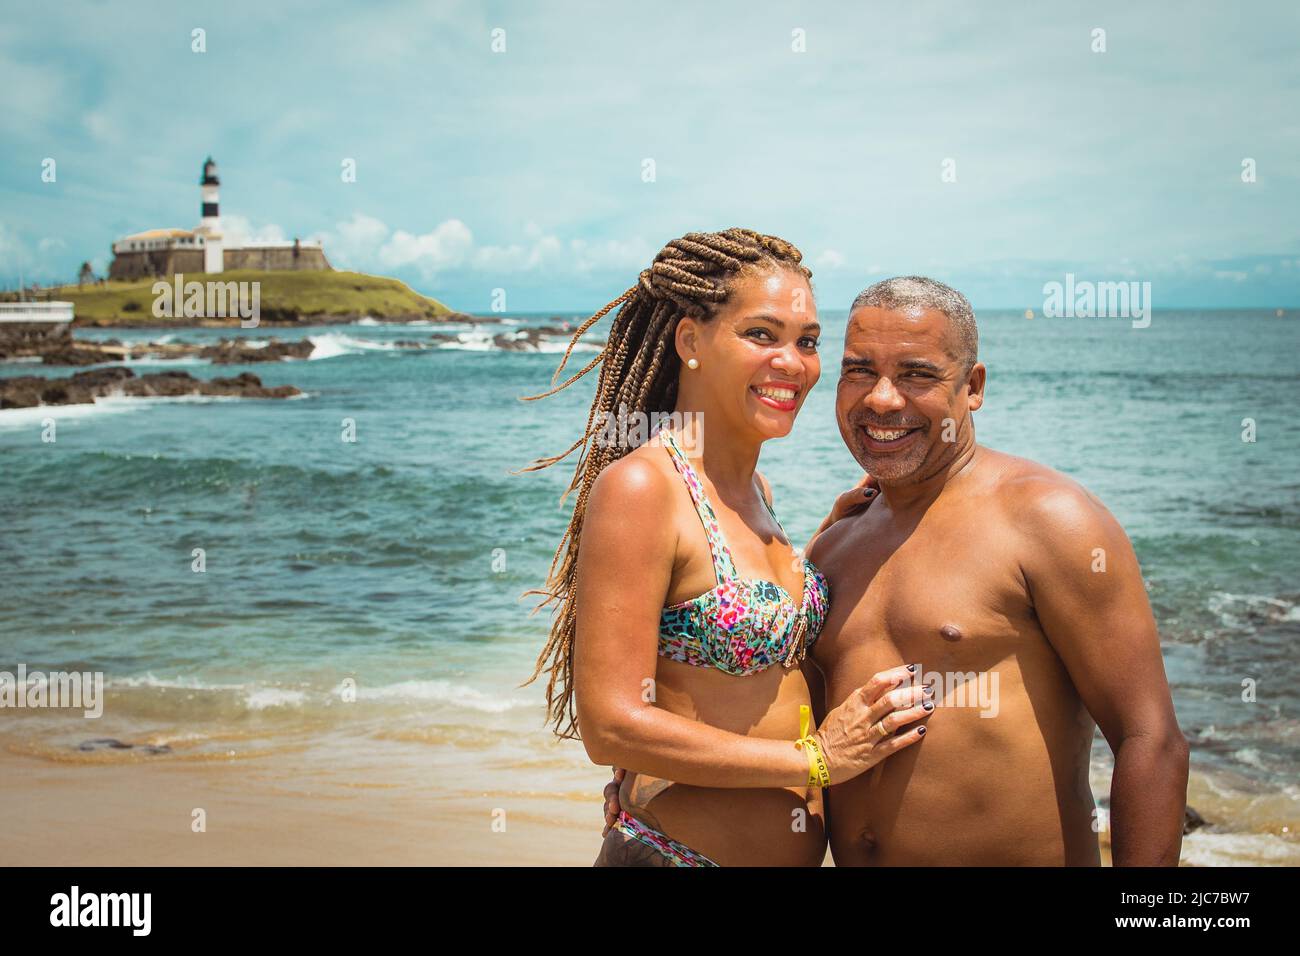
{"points": [[679, 646]]}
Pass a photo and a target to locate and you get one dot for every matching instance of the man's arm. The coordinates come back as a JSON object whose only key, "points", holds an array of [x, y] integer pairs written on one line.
{"points": [[1087, 589]]}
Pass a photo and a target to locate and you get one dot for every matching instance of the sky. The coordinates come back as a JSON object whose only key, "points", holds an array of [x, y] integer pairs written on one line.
{"points": [[550, 149]]}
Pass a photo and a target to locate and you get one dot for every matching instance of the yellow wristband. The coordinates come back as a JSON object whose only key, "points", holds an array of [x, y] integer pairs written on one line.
{"points": [[819, 774]]}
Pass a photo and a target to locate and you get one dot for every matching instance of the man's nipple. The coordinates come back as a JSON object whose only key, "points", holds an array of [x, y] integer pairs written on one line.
{"points": [[950, 632]]}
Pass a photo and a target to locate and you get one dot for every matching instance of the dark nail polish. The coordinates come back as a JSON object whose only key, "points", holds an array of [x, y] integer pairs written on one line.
{"points": [[928, 705], [911, 668], [920, 731]]}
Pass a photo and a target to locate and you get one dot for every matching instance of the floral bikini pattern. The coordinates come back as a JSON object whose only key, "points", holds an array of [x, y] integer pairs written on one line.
{"points": [[741, 626]]}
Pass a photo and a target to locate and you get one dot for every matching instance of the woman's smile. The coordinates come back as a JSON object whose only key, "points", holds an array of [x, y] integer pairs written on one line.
{"points": [[779, 395]]}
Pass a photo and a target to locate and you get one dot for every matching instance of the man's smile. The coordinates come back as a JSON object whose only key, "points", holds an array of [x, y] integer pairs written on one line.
{"points": [[879, 439]]}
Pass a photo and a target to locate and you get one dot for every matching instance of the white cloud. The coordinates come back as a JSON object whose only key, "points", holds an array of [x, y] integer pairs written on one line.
{"points": [[828, 260], [444, 247], [367, 242], [239, 230], [100, 126], [19, 259]]}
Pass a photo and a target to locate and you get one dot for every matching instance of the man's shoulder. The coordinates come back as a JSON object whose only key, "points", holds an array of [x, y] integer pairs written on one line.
{"points": [[1041, 500], [830, 543]]}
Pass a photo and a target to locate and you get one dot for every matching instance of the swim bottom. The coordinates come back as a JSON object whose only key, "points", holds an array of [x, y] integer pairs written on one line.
{"points": [[678, 854]]}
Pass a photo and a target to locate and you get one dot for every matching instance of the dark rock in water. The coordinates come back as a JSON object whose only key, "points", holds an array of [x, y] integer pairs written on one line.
{"points": [[109, 743], [103, 377], [521, 340], [72, 354], [83, 387], [21, 392], [235, 352], [443, 337], [25, 339], [67, 351], [1191, 820]]}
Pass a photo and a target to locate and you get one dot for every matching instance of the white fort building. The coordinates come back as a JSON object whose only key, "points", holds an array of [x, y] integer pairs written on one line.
{"points": [[165, 252]]}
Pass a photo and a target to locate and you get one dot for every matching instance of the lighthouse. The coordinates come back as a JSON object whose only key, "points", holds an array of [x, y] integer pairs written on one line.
{"points": [[210, 226]]}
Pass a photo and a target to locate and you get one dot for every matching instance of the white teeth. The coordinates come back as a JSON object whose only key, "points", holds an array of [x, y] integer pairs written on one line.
{"points": [[882, 435], [779, 394]]}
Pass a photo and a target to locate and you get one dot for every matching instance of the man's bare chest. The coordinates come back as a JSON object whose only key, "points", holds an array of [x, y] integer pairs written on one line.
{"points": [[948, 593]]}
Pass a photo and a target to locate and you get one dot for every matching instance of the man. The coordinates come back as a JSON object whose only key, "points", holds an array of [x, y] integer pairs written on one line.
{"points": [[1020, 597]]}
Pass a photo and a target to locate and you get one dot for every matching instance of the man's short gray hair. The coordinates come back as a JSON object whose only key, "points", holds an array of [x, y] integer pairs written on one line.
{"points": [[919, 292]]}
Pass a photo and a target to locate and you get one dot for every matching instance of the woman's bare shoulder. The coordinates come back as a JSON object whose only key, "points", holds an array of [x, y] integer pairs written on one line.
{"points": [[637, 486]]}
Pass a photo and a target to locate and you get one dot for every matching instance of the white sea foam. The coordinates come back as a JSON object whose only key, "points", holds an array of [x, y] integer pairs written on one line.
{"points": [[477, 340], [1237, 610], [443, 692], [1204, 848], [334, 344], [261, 698], [32, 417], [260, 695]]}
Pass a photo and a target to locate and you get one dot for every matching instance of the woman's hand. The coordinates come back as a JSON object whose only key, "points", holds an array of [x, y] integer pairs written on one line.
{"points": [[612, 807], [859, 733], [851, 502]]}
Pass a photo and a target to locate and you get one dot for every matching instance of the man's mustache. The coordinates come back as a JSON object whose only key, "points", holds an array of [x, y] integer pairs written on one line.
{"points": [[890, 424]]}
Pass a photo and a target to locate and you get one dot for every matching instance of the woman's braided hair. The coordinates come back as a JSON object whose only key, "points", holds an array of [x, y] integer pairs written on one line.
{"points": [[690, 276]]}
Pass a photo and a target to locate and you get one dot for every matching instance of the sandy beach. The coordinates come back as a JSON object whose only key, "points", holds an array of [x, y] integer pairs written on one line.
{"points": [[303, 808], [330, 800]]}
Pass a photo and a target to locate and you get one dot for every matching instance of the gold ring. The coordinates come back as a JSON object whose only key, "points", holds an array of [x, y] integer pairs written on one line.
{"points": [[883, 732]]}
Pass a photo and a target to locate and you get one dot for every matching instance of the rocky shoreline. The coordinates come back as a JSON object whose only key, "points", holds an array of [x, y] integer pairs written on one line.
{"points": [[224, 352], [82, 388], [272, 320], [62, 349]]}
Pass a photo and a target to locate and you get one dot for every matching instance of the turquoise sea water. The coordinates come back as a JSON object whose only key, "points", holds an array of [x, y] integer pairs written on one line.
{"points": [[397, 561]]}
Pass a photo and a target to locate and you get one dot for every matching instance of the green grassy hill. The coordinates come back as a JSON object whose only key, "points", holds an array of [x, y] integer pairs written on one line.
{"points": [[304, 297]]}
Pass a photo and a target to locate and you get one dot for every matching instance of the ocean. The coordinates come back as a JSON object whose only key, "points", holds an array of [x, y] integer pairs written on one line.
{"points": [[368, 592]]}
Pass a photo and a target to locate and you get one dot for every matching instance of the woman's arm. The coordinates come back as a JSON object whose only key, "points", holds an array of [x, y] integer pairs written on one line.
{"points": [[625, 564]]}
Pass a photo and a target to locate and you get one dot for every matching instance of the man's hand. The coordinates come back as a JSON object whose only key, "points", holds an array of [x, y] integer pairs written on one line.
{"points": [[612, 807]]}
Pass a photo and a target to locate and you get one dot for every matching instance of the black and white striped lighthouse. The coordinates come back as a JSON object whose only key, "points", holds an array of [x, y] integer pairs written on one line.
{"points": [[210, 182], [210, 225]]}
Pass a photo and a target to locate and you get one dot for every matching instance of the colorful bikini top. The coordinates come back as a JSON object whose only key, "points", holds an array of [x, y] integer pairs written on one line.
{"points": [[741, 626]]}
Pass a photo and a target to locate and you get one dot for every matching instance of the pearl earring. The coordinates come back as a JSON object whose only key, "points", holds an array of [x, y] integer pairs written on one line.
{"points": [[693, 364]]}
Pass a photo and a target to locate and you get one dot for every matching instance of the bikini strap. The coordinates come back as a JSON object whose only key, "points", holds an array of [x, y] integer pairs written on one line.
{"points": [[772, 512], [724, 566]]}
